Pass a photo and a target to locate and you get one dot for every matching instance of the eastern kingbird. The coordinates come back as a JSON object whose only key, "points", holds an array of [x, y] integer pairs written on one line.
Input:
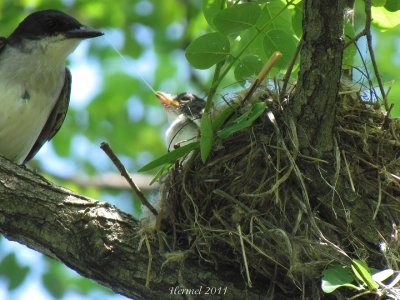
{"points": [[184, 113], [35, 85]]}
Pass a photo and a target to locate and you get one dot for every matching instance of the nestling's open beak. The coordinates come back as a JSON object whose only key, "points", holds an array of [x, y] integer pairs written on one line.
{"points": [[167, 100]]}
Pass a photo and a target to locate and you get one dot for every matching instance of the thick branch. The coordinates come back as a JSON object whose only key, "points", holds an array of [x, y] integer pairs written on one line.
{"points": [[109, 180], [97, 240], [319, 76]]}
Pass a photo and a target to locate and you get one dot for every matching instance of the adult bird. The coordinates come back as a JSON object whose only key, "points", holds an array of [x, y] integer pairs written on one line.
{"points": [[184, 113], [35, 84]]}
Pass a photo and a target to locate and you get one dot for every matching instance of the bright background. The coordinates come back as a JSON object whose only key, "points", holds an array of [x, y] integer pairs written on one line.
{"points": [[110, 102]]}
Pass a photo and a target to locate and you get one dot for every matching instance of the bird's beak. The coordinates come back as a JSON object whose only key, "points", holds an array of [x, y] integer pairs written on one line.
{"points": [[84, 32], [167, 100]]}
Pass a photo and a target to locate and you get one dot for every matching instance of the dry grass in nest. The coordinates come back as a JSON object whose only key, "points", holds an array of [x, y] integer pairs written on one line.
{"points": [[280, 217]]}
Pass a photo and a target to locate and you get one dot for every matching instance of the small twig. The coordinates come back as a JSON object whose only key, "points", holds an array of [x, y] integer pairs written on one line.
{"points": [[289, 71], [372, 53], [260, 77], [263, 73], [148, 276], [367, 32], [214, 86], [124, 173], [379, 197], [348, 172], [246, 266], [366, 75], [355, 38]]}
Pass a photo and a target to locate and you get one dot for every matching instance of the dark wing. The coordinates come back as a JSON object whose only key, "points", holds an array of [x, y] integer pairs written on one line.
{"points": [[55, 119]]}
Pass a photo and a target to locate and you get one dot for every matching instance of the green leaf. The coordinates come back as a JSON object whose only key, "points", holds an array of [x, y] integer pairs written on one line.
{"points": [[206, 137], [336, 276], [58, 280], [243, 121], [170, 157], [248, 66], [280, 40], [211, 8], [392, 5], [208, 50], [161, 171], [13, 271], [378, 2], [252, 38], [222, 117], [384, 18], [297, 19], [351, 51], [54, 280], [275, 15], [363, 274], [237, 18]]}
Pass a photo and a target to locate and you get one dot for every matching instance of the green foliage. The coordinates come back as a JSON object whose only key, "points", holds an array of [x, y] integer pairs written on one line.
{"points": [[351, 51], [236, 18], [170, 157], [243, 121], [392, 5], [250, 32], [208, 50], [297, 18], [384, 18], [58, 280], [223, 116], [13, 271], [363, 274], [282, 41], [337, 276], [207, 134], [211, 9], [247, 34], [248, 66], [378, 2]]}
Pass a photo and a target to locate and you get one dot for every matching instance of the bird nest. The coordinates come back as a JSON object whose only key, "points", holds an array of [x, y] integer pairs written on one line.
{"points": [[279, 217]]}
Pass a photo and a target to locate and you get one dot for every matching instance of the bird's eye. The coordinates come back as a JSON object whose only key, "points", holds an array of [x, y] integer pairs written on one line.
{"points": [[51, 24], [185, 98]]}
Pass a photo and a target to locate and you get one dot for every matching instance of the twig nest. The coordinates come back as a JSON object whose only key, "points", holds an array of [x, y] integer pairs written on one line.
{"points": [[296, 213]]}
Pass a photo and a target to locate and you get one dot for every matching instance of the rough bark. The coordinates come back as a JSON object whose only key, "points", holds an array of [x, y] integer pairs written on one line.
{"points": [[98, 240], [319, 76]]}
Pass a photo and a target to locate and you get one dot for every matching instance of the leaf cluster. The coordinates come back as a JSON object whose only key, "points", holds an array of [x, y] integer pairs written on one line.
{"points": [[244, 36], [359, 277]]}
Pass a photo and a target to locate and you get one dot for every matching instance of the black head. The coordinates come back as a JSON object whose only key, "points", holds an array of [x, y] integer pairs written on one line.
{"points": [[190, 105], [184, 103], [50, 23]]}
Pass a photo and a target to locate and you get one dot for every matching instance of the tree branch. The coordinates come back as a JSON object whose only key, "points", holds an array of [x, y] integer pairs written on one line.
{"points": [[319, 77], [109, 180], [98, 240]]}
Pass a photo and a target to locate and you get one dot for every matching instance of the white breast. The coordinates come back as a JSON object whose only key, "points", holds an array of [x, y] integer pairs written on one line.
{"points": [[25, 104], [181, 132]]}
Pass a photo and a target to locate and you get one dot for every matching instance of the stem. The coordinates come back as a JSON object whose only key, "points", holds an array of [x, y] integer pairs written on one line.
{"points": [[124, 173], [235, 58], [214, 86]]}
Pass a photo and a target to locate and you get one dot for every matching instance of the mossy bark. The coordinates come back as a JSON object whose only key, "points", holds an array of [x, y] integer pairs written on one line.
{"points": [[314, 103]]}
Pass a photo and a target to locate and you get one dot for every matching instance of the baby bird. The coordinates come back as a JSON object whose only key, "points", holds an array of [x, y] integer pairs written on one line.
{"points": [[184, 113]]}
